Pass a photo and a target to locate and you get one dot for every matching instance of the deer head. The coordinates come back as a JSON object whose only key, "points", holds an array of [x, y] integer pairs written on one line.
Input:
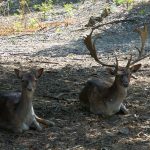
{"points": [[29, 79], [122, 74]]}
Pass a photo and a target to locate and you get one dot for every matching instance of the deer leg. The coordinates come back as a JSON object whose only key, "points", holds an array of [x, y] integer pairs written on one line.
{"points": [[124, 109], [21, 128], [44, 121], [25, 127], [36, 125], [38, 120]]}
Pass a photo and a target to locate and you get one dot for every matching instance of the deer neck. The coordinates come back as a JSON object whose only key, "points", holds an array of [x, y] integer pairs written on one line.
{"points": [[119, 91], [26, 96], [24, 105]]}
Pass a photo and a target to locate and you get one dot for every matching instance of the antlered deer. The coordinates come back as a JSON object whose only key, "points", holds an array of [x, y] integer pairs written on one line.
{"points": [[16, 109], [102, 97]]}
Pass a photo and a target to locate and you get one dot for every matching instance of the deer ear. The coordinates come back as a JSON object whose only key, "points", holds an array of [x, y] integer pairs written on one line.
{"points": [[110, 71], [39, 72], [18, 73], [135, 68]]}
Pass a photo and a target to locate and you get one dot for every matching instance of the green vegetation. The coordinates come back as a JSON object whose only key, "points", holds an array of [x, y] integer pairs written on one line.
{"points": [[126, 2], [27, 20], [69, 9], [119, 2], [45, 7], [18, 26], [142, 12], [33, 23]]}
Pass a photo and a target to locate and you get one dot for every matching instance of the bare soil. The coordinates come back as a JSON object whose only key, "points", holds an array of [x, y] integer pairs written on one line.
{"points": [[67, 67]]}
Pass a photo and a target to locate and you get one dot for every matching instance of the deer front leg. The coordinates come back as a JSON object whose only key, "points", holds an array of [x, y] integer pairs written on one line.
{"points": [[44, 121], [25, 127], [21, 128], [36, 125], [32, 120], [124, 109], [37, 120]]}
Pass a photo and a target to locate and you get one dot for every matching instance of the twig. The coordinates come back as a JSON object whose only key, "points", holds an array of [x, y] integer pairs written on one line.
{"points": [[100, 25], [50, 62], [112, 22]]}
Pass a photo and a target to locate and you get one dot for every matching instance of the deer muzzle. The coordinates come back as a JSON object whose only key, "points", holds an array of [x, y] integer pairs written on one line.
{"points": [[30, 87], [125, 82]]}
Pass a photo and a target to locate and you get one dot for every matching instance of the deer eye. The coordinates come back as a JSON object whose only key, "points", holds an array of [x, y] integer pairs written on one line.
{"points": [[22, 80]]}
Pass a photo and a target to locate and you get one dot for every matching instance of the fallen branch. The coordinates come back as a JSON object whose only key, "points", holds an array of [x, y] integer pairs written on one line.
{"points": [[113, 22], [49, 62], [108, 23], [12, 62]]}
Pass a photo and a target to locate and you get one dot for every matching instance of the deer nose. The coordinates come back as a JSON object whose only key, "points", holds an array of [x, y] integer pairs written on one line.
{"points": [[30, 87], [126, 84]]}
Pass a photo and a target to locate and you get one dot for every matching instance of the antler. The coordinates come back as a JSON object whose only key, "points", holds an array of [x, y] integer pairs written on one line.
{"points": [[129, 62], [92, 49], [143, 35], [117, 64], [143, 32], [93, 52], [139, 59]]}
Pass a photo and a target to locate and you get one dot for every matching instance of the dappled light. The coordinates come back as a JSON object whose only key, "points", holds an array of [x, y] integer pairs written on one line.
{"points": [[55, 35]]}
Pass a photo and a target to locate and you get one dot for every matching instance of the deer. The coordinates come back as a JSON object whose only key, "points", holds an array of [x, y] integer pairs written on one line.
{"points": [[16, 108], [106, 98]]}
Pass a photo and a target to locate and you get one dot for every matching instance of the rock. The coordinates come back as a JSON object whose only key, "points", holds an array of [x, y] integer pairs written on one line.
{"points": [[124, 131]]}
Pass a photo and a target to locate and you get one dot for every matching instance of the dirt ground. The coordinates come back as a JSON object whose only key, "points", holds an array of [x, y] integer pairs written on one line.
{"points": [[68, 66]]}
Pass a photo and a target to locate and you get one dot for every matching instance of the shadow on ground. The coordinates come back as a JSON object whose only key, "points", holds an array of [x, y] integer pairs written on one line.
{"points": [[56, 99]]}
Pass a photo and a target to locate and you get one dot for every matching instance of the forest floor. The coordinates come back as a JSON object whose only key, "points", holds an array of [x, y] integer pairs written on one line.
{"points": [[68, 65]]}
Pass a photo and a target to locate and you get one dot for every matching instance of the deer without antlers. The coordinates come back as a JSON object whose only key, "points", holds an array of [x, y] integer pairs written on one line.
{"points": [[104, 98], [16, 108]]}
